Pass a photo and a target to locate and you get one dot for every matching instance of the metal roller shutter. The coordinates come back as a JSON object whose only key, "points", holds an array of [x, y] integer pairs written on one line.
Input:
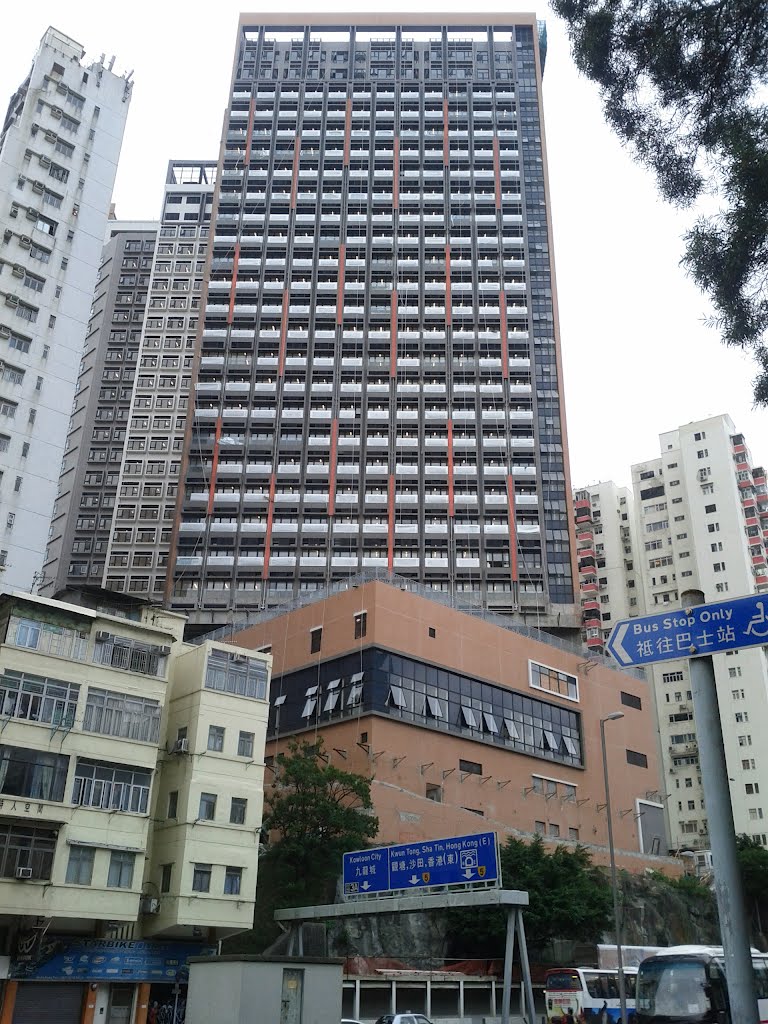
{"points": [[48, 1003]]}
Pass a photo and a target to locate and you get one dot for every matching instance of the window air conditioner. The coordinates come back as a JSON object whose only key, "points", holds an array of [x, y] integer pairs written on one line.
{"points": [[240, 657], [12, 301], [38, 186], [163, 651], [56, 112], [181, 746], [7, 235], [23, 872], [17, 270], [25, 241], [149, 905], [102, 637], [5, 332], [44, 161], [31, 214], [51, 136]]}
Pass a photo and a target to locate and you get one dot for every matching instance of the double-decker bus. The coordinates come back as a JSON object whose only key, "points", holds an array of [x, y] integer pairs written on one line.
{"points": [[687, 985], [590, 993]]}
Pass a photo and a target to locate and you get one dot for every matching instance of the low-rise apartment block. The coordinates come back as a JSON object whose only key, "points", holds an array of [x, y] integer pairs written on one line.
{"points": [[131, 775]]}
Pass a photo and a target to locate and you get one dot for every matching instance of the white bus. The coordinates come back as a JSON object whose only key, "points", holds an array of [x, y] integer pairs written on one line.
{"points": [[590, 993], [687, 985]]}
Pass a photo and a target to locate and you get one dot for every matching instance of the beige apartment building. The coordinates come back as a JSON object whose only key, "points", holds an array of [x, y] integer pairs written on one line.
{"points": [[131, 784], [696, 518]]}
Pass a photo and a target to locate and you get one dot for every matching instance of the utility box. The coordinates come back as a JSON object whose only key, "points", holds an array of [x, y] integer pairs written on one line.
{"points": [[269, 989]]}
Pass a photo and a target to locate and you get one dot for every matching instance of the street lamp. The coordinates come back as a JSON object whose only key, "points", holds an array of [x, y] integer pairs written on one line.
{"points": [[614, 885]]}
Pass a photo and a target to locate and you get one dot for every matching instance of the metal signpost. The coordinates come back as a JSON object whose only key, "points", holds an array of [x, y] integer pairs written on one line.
{"points": [[697, 632], [469, 862], [459, 860]]}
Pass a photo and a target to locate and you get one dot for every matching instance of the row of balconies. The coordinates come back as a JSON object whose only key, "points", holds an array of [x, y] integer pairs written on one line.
{"points": [[346, 529]]}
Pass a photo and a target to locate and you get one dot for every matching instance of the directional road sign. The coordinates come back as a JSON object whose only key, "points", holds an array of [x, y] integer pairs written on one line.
{"points": [[691, 632], [459, 860]]}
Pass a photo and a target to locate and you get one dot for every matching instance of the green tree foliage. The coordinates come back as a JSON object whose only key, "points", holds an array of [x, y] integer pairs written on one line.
{"points": [[569, 898], [683, 85], [314, 813], [753, 861]]}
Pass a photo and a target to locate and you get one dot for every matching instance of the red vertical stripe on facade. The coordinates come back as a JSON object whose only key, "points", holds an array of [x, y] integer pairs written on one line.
{"points": [[391, 524], [396, 173], [295, 175], [504, 335], [450, 467], [214, 466], [512, 527], [497, 171], [332, 468], [448, 312], [393, 335], [233, 288], [249, 133], [446, 143], [340, 288], [268, 534], [347, 132], [283, 333]]}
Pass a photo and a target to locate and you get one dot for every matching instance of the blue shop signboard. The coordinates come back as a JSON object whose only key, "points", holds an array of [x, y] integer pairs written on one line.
{"points": [[63, 958]]}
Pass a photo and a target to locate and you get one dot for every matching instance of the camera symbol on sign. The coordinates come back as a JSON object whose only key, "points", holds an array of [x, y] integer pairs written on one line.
{"points": [[468, 859]]}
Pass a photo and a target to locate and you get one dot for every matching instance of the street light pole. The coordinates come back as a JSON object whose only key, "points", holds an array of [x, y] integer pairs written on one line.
{"points": [[614, 882]]}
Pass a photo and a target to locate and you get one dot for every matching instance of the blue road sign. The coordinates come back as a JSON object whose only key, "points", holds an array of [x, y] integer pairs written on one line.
{"points": [[691, 632], [459, 860]]}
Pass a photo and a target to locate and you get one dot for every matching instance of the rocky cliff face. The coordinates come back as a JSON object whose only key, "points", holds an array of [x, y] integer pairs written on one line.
{"points": [[656, 912]]}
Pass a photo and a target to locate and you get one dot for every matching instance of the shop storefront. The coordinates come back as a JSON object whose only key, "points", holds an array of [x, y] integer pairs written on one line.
{"points": [[67, 980]]}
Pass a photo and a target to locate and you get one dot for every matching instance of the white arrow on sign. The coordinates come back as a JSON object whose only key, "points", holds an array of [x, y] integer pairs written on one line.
{"points": [[468, 873], [414, 879], [616, 648], [366, 885]]}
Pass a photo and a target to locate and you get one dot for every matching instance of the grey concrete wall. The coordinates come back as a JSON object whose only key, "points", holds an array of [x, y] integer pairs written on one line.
{"points": [[249, 990]]}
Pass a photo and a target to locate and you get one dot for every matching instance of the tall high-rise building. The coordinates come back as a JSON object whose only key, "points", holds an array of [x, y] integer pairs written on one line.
{"points": [[379, 383], [59, 147], [605, 557], [88, 485], [700, 523], [118, 484]]}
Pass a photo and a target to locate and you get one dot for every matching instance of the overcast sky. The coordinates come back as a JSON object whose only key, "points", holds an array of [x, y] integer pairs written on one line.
{"points": [[638, 357]]}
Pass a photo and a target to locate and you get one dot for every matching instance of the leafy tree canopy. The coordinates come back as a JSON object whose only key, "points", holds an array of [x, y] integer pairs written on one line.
{"points": [[569, 898], [753, 861], [314, 813], [683, 85]]}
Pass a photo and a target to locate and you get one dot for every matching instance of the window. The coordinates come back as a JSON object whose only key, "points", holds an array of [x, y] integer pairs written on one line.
{"points": [[122, 715], [24, 846], [130, 655], [36, 698], [631, 701], [111, 787], [216, 738], [201, 878], [470, 767], [237, 674], [173, 803], [361, 625], [245, 744], [80, 865], [635, 758], [35, 774], [207, 810], [710, 508], [542, 677], [540, 828], [434, 793], [237, 810], [315, 640], [120, 875], [166, 870], [232, 880], [573, 833]]}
